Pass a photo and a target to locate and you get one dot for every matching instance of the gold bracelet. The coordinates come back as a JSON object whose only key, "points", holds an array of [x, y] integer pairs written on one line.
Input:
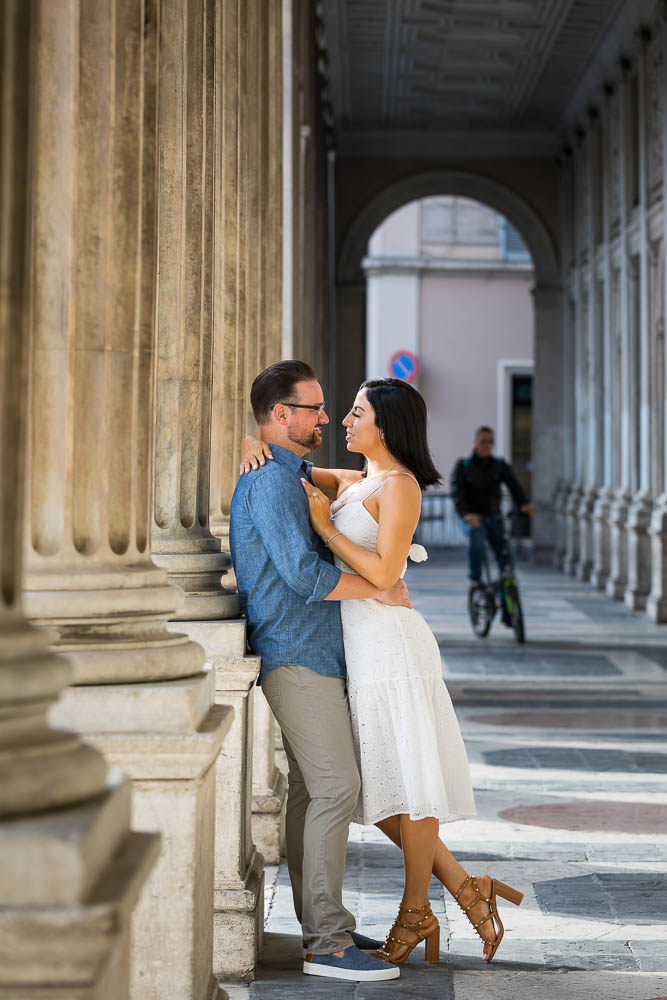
{"points": [[332, 537]]}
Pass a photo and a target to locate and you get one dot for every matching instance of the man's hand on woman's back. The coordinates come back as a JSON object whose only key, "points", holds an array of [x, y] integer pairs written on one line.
{"points": [[397, 596]]}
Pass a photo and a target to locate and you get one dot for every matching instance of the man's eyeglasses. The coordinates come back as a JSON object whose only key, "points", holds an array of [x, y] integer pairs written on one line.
{"points": [[485, 441], [320, 407]]}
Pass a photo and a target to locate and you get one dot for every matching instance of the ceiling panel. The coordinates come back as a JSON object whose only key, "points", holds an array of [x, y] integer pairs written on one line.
{"points": [[456, 64]]}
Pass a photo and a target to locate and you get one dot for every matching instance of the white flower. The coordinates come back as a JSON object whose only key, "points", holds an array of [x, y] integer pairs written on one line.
{"points": [[418, 553]]}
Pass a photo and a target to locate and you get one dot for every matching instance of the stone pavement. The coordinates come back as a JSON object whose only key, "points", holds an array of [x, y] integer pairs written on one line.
{"points": [[566, 738]]}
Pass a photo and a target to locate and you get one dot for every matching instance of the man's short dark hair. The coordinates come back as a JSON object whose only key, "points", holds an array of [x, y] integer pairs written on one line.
{"points": [[484, 430], [276, 385]]}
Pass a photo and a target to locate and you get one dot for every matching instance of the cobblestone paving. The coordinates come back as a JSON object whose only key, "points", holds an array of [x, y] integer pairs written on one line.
{"points": [[566, 738]]}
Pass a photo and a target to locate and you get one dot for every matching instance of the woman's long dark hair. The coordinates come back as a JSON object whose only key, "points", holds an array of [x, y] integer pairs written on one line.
{"points": [[400, 413]]}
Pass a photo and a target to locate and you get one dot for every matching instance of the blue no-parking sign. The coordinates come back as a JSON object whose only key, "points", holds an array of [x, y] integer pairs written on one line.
{"points": [[404, 365]]}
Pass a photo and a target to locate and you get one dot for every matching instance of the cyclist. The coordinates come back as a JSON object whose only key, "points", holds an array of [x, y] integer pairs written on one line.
{"points": [[476, 489]]}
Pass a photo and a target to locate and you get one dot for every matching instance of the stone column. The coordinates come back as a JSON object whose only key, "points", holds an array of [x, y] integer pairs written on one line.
{"points": [[590, 426], [140, 693], [547, 414], [639, 515], [620, 505], [274, 194], [182, 541], [656, 607], [568, 386], [64, 908], [226, 303], [601, 510]]}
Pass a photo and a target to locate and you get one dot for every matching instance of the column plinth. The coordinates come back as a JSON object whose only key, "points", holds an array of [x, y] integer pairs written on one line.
{"points": [[638, 584], [269, 786], [584, 517], [618, 563], [238, 908], [560, 531], [656, 605], [601, 538], [572, 530]]}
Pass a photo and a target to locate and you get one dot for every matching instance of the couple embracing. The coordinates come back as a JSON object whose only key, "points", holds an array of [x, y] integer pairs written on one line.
{"points": [[352, 673]]}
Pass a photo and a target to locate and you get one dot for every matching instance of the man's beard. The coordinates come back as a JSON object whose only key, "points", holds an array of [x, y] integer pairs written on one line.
{"points": [[309, 441]]}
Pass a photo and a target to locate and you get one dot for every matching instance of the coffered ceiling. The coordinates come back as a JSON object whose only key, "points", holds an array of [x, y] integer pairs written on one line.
{"points": [[420, 70]]}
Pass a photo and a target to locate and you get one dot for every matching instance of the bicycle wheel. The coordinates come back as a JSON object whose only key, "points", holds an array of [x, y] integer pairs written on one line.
{"points": [[515, 611], [480, 610]]}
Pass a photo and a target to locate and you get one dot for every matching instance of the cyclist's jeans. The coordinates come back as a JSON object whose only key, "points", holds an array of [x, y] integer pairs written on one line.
{"points": [[492, 529]]}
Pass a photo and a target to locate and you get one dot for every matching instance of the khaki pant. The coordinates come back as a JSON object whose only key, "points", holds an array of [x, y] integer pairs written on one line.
{"points": [[323, 786]]}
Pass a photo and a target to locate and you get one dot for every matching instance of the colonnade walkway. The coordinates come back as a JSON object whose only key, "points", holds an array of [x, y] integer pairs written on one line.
{"points": [[566, 738]]}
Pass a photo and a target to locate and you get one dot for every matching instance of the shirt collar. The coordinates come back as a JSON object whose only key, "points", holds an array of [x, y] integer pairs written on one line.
{"points": [[288, 458]]}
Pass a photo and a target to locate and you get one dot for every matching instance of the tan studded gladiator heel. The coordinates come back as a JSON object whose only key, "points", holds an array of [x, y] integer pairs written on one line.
{"points": [[497, 889], [396, 950]]}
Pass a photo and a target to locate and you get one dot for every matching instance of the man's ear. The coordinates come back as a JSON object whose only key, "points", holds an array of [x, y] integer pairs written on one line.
{"points": [[280, 413]]}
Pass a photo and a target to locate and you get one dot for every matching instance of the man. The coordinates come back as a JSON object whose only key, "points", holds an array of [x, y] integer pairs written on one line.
{"points": [[476, 489], [289, 590]]}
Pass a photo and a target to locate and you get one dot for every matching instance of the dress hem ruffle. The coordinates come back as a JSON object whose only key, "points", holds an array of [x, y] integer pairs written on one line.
{"points": [[385, 814]]}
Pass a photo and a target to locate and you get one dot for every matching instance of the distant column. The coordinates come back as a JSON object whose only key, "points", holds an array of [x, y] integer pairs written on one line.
{"points": [[639, 514], [601, 541], [656, 607], [591, 426], [547, 429], [620, 505]]}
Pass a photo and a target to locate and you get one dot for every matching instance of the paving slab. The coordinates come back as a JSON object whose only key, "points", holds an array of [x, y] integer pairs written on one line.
{"points": [[567, 742]]}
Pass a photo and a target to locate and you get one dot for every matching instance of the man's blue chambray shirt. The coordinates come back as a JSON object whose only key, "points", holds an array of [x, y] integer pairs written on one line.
{"points": [[284, 571]]}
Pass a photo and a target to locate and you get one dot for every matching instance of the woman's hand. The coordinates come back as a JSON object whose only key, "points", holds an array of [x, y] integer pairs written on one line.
{"points": [[320, 510], [254, 453]]}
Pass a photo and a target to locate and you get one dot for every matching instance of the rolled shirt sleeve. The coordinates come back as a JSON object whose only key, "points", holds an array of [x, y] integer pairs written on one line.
{"points": [[291, 548]]}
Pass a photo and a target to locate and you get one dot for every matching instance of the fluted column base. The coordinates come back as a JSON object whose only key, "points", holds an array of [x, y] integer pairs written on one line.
{"points": [[639, 551], [585, 525], [69, 881], [269, 787], [167, 736], [238, 912], [618, 563], [571, 560], [220, 528], [111, 624], [40, 768], [601, 538], [656, 605], [201, 570], [560, 531]]}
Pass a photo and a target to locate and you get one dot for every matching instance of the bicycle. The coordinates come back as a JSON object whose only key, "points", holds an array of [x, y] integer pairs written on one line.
{"points": [[487, 597]]}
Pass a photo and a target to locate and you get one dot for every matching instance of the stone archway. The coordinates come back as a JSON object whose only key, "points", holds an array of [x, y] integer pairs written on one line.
{"points": [[548, 345], [465, 184]]}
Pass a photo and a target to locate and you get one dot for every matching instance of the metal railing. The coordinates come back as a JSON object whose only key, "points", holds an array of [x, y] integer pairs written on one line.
{"points": [[439, 523]]}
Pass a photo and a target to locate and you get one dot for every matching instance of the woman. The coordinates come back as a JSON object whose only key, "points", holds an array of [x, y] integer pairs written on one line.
{"points": [[411, 756]]}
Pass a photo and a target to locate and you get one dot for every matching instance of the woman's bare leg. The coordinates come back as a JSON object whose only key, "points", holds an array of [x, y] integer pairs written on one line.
{"points": [[418, 838], [447, 870]]}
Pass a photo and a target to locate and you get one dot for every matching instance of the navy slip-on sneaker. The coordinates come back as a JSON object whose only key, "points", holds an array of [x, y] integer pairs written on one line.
{"points": [[353, 964], [362, 942]]}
